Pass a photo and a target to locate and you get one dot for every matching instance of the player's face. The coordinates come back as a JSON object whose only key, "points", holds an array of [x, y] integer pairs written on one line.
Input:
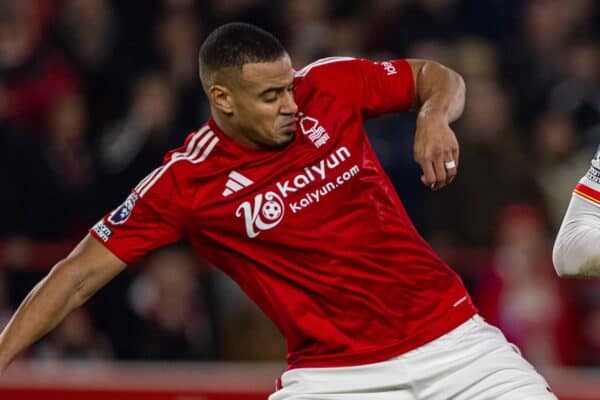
{"points": [[263, 102]]}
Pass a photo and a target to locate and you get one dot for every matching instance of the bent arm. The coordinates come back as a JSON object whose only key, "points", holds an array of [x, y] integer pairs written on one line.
{"points": [[576, 250], [440, 99], [69, 284], [439, 91]]}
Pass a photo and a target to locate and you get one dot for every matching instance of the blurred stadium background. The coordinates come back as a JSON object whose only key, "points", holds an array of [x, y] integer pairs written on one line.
{"points": [[93, 92]]}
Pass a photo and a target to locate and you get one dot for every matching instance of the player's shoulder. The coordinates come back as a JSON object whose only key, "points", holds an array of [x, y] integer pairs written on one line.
{"points": [[198, 147], [196, 154], [331, 75], [324, 65]]}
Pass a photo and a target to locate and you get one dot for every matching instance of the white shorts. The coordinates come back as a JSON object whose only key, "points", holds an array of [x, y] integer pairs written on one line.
{"points": [[473, 361]]}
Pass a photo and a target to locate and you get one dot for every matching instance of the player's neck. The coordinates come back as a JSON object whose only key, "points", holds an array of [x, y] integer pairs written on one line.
{"points": [[230, 130]]}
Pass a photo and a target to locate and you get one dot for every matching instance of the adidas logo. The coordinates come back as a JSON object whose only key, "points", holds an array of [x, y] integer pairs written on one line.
{"points": [[235, 183]]}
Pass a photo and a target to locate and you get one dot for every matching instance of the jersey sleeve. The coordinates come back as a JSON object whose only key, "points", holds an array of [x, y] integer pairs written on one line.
{"points": [[148, 218], [575, 251], [589, 186], [375, 88]]}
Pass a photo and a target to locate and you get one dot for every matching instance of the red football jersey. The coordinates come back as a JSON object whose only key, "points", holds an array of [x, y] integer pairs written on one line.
{"points": [[314, 233]]}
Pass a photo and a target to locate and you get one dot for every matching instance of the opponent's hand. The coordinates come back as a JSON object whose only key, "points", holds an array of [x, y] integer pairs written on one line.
{"points": [[436, 151]]}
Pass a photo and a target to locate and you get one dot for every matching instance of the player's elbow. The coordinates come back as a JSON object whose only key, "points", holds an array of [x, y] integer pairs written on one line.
{"points": [[563, 260], [455, 77], [437, 70], [570, 261], [454, 84], [562, 268], [461, 94]]}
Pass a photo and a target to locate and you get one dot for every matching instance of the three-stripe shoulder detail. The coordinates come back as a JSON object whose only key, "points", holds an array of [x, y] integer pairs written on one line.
{"points": [[199, 147], [323, 61]]}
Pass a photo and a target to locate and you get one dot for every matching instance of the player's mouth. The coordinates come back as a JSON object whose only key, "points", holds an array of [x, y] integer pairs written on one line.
{"points": [[289, 127]]}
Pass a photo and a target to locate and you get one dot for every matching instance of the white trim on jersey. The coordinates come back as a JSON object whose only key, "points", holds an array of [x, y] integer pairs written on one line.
{"points": [[235, 183], [188, 150], [146, 179], [197, 143], [322, 61]]}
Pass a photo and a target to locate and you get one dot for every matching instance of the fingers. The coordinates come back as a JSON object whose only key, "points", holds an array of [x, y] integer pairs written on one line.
{"points": [[436, 150], [452, 173], [440, 170], [456, 155], [451, 164], [428, 178], [440, 173]]}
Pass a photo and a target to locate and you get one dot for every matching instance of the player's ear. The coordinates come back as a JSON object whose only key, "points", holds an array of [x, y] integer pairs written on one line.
{"points": [[221, 98]]}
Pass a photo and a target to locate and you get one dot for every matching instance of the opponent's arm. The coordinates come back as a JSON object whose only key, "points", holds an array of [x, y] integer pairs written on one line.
{"points": [[69, 284], [576, 250], [439, 99]]}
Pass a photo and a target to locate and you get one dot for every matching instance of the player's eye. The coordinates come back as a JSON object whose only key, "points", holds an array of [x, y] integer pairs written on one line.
{"points": [[272, 95]]}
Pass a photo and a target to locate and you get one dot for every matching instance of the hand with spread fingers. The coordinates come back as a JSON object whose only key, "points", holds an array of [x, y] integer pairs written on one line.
{"points": [[436, 151]]}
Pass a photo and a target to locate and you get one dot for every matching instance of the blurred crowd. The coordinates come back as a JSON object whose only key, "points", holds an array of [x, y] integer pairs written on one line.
{"points": [[93, 92]]}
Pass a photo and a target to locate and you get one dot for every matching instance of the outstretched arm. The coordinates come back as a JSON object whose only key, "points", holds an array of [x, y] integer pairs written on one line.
{"points": [[439, 99], [68, 285], [576, 250]]}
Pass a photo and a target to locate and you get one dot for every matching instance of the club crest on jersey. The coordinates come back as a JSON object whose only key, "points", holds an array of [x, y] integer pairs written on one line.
{"points": [[314, 130], [264, 213], [122, 213]]}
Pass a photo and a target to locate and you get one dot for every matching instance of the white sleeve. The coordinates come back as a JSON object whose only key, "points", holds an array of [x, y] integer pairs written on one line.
{"points": [[577, 246]]}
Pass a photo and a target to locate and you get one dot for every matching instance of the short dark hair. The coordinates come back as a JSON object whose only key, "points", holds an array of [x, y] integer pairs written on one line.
{"points": [[236, 44]]}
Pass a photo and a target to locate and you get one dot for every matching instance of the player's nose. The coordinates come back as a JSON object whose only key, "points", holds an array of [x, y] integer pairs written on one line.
{"points": [[289, 105]]}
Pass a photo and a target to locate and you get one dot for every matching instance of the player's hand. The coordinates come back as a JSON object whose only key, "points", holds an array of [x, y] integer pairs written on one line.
{"points": [[436, 151]]}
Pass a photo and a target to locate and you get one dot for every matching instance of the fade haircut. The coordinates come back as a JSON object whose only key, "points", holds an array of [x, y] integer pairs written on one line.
{"points": [[233, 45]]}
